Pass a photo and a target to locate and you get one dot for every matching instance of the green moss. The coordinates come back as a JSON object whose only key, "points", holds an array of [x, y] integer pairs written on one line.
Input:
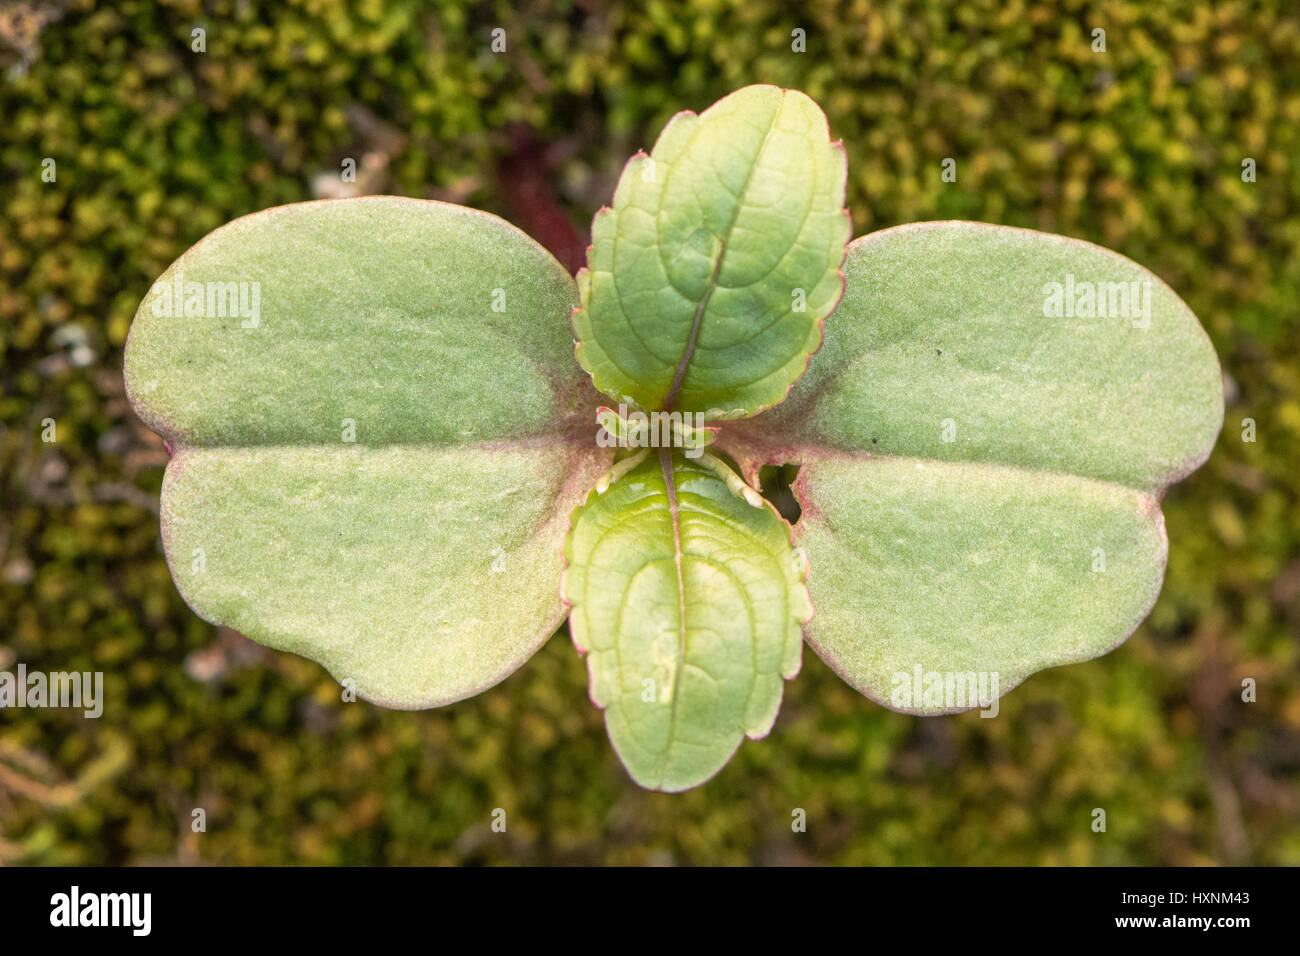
{"points": [[1139, 149]]}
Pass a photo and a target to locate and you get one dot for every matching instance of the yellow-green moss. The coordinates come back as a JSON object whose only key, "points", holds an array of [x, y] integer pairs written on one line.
{"points": [[1138, 148]]}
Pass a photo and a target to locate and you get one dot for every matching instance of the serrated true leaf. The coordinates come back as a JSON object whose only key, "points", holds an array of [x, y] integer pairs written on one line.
{"points": [[373, 460], [984, 438], [687, 600], [708, 279]]}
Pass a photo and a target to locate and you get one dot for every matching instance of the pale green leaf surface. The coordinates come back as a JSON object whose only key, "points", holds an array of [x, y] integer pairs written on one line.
{"points": [[969, 568], [968, 460], [687, 601], [378, 474], [709, 277], [378, 310], [422, 574], [944, 321]]}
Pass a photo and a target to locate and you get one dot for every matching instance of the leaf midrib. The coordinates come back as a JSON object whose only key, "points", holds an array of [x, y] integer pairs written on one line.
{"points": [[670, 485], [679, 375]]}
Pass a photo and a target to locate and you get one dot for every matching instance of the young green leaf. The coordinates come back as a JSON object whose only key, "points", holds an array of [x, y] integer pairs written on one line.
{"points": [[378, 433], [985, 437], [687, 599], [708, 280]]}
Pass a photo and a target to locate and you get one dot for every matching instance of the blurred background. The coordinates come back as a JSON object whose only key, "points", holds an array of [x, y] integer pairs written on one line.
{"points": [[1139, 148]]}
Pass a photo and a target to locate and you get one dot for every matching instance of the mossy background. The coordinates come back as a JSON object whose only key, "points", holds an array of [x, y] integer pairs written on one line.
{"points": [[1139, 148]]}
